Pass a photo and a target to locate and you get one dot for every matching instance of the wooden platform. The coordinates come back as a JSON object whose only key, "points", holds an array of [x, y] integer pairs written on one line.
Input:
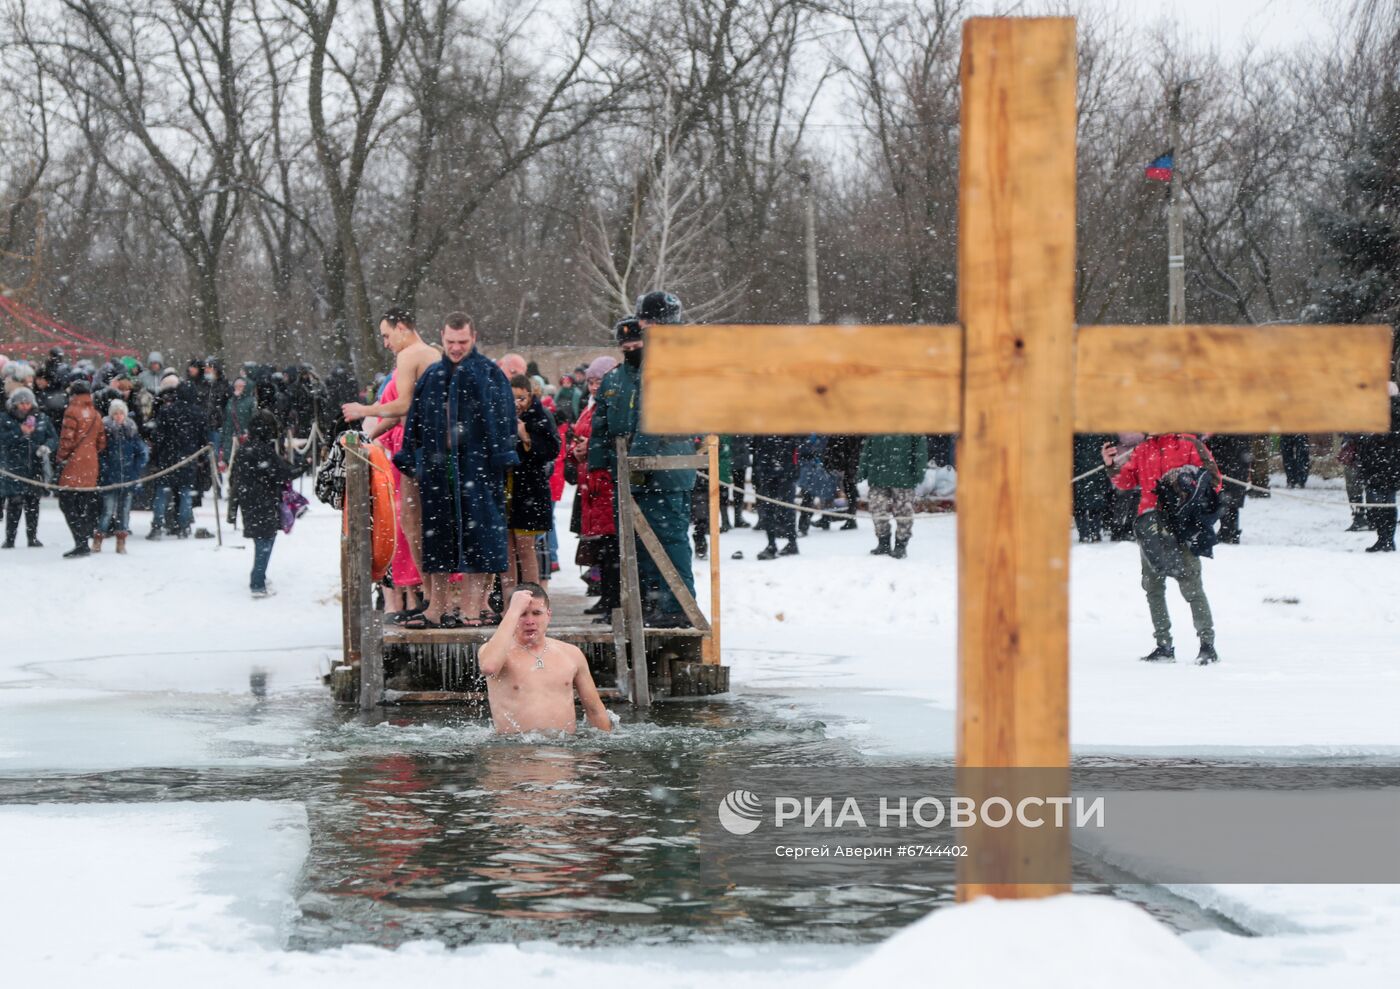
{"points": [[394, 635], [390, 664]]}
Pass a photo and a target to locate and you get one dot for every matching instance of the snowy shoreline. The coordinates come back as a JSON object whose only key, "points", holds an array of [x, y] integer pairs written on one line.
{"points": [[111, 661]]}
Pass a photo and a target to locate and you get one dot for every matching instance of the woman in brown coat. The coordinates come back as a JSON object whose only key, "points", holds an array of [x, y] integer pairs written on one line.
{"points": [[82, 439]]}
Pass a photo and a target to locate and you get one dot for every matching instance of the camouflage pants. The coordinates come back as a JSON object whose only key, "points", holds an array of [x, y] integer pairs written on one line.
{"points": [[898, 502], [1154, 582]]}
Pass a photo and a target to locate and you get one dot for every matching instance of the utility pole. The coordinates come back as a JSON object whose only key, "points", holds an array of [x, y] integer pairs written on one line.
{"points": [[1176, 240], [814, 307]]}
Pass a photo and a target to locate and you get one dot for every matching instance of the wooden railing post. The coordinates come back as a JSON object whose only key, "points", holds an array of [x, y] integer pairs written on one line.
{"points": [[709, 648], [364, 628], [631, 586], [352, 532]]}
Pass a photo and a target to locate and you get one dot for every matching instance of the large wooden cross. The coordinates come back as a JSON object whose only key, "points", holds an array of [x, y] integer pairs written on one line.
{"points": [[1016, 379]]}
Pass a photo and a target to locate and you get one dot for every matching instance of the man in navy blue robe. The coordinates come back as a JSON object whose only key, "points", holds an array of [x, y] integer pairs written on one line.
{"points": [[459, 442]]}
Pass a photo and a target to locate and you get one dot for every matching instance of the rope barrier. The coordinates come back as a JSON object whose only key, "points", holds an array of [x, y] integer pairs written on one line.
{"points": [[1090, 473], [112, 487], [823, 511], [301, 446], [1312, 501]]}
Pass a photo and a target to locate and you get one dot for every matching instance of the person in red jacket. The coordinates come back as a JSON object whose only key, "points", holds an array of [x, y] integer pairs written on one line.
{"points": [[1151, 459], [598, 517]]}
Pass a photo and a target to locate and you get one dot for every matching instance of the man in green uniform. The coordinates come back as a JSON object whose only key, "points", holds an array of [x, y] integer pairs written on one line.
{"points": [[662, 495]]}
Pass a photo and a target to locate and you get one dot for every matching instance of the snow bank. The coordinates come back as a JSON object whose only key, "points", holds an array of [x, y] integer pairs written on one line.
{"points": [[1315, 935], [1080, 941], [107, 881], [430, 963]]}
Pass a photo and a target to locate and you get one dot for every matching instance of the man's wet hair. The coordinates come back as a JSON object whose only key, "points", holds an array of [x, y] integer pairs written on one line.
{"points": [[536, 591], [459, 321], [398, 316]]}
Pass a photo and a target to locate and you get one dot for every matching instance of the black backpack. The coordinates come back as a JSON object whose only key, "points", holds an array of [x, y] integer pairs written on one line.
{"points": [[330, 479], [1190, 507]]}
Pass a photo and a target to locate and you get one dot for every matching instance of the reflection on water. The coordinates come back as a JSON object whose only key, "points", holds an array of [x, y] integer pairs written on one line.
{"points": [[425, 824], [453, 833]]}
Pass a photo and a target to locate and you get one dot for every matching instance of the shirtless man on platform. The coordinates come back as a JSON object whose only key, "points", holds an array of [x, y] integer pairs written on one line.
{"points": [[412, 356], [531, 678]]}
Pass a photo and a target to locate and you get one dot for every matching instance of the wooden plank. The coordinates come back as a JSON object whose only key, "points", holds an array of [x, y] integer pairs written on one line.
{"points": [[802, 379], [1232, 379], [350, 643], [357, 500], [668, 569], [697, 462], [372, 657], [354, 581], [396, 635], [1016, 241], [709, 647], [464, 696], [631, 587], [619, 634]]}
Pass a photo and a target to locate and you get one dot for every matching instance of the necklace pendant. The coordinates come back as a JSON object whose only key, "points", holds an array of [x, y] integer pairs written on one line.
{"points": [[539, 662]]}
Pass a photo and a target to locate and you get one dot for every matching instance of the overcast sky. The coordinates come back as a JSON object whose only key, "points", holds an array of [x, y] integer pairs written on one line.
{"points": [[1229, 24]]}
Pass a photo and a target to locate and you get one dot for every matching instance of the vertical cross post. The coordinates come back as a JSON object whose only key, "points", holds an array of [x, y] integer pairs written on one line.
{"points": [[1016, 305]]}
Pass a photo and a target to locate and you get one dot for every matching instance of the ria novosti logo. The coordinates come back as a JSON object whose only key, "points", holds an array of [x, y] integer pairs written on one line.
{"points": [[740, 812]]}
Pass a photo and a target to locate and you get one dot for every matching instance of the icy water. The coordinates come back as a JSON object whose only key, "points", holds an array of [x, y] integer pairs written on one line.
{"points": [[424, 824]]}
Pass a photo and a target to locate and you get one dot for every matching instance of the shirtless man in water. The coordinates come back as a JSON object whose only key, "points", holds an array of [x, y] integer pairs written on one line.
{"points": [[412, 356], [531, 678]]}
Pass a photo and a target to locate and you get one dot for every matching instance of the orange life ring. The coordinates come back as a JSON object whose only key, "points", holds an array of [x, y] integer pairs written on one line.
{"points": [[382, 517]]}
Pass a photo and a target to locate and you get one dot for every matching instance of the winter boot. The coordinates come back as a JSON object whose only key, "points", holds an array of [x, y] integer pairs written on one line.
{"points": [[739, 521], [154, 534], [724, 518], [822, 523], [702, 547], [77, 551], [1382, 546], [1207, 655], [121, 543], [1162, 654], [882, 547], [901, 549], [97, 538], [790, 549], [769, 553], [9, 543], [848, 525]]}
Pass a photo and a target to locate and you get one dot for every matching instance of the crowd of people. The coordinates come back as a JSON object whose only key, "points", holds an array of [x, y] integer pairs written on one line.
{"points": [[121, 435], [482, 451]]}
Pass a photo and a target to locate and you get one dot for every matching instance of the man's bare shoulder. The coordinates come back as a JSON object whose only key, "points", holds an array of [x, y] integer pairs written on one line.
{"points": [[418, 358], [566, 649]]}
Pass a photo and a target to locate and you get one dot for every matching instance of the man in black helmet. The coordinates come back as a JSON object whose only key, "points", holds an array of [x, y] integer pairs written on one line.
{"points": [[662, 495]]}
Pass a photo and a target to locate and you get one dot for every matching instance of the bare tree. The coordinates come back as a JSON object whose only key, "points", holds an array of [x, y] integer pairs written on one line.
{"points": [[355, 71], [165, 77], [279, 206], [26, 155], [905, 74], [670, 241], [485, 115]]}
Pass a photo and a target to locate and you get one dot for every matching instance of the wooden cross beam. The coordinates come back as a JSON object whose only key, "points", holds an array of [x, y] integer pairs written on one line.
{"points": [[1016, 379]]}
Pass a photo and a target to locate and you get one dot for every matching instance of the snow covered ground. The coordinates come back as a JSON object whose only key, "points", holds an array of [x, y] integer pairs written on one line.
{"points": [[144, 661]]}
